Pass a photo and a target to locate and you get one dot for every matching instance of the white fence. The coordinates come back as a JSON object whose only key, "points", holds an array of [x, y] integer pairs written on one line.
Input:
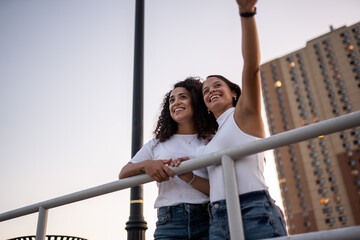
{"points": [[226, 159]]}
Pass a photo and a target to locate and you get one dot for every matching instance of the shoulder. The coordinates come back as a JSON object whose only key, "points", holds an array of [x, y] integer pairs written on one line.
{"points": [[151, 144]]}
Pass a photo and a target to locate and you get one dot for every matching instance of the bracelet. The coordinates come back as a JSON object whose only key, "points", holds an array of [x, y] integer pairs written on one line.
{"points": [[248, 14], [192, 180]]}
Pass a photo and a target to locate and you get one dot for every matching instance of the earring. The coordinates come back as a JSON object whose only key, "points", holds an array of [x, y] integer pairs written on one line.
{"points": [[234, 98], [209, 111]]}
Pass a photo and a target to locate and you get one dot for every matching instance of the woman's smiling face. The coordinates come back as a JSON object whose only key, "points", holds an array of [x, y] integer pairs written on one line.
{"points": [[217, 96], [180, 105]]}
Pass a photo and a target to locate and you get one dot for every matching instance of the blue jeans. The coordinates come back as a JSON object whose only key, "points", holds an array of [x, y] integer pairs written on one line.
{"points": [[261, 217], [184, 221]]}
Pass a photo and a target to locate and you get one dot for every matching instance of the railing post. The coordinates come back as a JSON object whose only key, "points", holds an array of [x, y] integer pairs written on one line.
{"points": [[41, 225], [232, 199]]}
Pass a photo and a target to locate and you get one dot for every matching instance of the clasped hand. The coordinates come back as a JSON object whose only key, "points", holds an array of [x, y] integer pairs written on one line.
{"points": [[160, 171]]}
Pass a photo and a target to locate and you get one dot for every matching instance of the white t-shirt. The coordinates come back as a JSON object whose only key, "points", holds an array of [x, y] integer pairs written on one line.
{"points": [[175, 191], [249, 170]]}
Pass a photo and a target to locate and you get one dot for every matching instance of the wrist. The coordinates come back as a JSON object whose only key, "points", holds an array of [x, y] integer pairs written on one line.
{"points": [[192, 179], [142, 166], [247, 12]]}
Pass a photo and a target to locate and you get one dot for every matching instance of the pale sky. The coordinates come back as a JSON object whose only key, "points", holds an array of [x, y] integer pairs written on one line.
{"points": [[66, 72]]}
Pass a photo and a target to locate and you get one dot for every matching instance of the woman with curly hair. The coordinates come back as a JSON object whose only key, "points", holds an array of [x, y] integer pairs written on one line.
{"points": [[184, 125]]}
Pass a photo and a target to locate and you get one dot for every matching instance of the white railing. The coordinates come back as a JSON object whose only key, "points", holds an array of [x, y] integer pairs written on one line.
{"points": [[226, 159]]}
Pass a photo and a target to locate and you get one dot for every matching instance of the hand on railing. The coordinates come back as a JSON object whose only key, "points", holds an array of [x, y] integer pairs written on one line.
{"points": [[158, 169]]}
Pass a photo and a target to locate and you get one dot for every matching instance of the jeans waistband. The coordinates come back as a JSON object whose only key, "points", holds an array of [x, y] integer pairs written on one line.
{"points": [[250, 197], [183, 206]]}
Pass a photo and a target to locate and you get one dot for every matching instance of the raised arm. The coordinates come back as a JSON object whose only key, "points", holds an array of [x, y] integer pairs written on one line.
{"points": [[248, 109]]}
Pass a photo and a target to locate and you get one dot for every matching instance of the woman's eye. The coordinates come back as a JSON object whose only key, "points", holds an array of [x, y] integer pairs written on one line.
{"points": [[205, 92], [171, 100]]}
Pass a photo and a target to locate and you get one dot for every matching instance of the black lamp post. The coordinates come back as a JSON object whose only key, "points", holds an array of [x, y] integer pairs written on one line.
{"points": [[136, 226]]}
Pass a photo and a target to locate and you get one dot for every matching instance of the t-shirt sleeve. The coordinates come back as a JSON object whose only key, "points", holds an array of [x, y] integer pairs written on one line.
{"points": [[146, 152]]}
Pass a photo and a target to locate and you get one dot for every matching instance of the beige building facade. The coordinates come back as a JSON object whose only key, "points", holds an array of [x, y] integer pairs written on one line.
{"points": [[319, 178]]}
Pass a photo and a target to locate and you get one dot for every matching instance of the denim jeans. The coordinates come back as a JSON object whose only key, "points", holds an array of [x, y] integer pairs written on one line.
{"points": [[261, 217], [184, 221]]}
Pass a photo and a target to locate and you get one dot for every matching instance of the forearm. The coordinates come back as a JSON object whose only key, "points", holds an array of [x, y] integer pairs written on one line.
{"points": [[132, 169], [250, 100], [196, 182], [250, 45], [201, 184]]}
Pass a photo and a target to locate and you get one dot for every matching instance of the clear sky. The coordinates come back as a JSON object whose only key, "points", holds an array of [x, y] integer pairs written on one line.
{"points": [[66, 72]]}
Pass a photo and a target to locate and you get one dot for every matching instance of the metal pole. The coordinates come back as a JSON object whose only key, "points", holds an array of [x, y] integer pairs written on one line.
{"points": [[41, 225], [232, 199], [136, 226]]}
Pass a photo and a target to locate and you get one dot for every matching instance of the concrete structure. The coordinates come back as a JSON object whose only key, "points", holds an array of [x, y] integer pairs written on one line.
{"points": [[319, 178]]}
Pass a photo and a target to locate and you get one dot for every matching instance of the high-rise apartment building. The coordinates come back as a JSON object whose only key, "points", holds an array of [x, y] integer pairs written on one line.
{"points": [[319, 178]]}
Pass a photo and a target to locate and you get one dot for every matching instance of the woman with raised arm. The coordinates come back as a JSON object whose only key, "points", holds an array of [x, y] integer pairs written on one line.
{"points": [[238, 114], [182, 201]]}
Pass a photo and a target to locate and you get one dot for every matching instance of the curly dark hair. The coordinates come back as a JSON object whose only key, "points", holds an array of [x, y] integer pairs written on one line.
{"points": [[232, 86], [204, 123]]}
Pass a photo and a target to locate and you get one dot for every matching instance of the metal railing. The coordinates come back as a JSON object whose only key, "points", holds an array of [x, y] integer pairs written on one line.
{"points": [[49, 237], [223, 157]]}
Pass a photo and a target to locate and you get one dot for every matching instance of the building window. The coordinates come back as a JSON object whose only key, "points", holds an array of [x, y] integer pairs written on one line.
{"points": [[313, 154], [346, 144], [354, 62], [347, 41], [315, 163], [277, 84], [340, 208], [324, 200], [344, 34], [332, 179], [318, 172], [320, 181], [327, 210], [342, 219], [342, 91], [330, 220], [333, 102], [355, 132], [330, 55], [345, 99], [326, 41], [357, 182], [351, 54], [307, 224], [322, 190]]}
